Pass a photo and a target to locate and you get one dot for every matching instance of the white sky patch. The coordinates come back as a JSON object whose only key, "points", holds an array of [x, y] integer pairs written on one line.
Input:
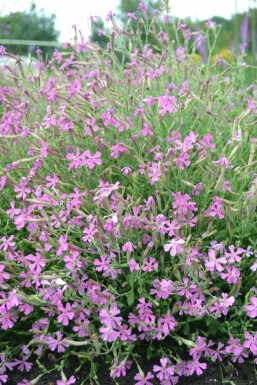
{"points": [[78, 11]]}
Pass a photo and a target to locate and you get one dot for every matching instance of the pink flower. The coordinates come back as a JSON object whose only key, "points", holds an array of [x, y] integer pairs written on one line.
{"points": [[174, 246], [118, 149], [109, 334], [52, 181], [252, 309], [109, 317], [37, 264], [146, 130], [118, 371], [7, 243], [232, 275], [154, 172], [75, 159], [162, 289], [168, 104], [224, 162], [169, 227], [234, 346], [215, 263], [13, 211], [128, 246], [90, 232], [150, 265], [234, 255], [251, 342], [165, 370], [23, 364], [133, 265], [199, 349], [75, 197], [222, 305], [195, 367], [91, 128], [182, 161], [22, 190], [57, 343], [66, 314], [216, 208], [72, 261], [103, 264], [167, 324], [91, 160], [143, 380], [197, 189], [3, 275], [2, 50], [71, 380], [110, 16], [3, 377]]}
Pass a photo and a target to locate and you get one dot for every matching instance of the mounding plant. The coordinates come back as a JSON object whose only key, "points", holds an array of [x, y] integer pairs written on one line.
{"points": [[128, 206]]}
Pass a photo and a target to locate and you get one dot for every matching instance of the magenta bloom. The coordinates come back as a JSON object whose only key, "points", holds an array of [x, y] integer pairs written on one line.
{"points": [[234, 255], [215, 263], [167, 324], [232, 275], [252, 309], [222, 305], [133, 265], [162, 289], [103, 264], [128, 246], [70, 381], [251, 342], [90, 232], [72, 261], [143, 380], [3, 275], [165, 370], [66, 314], [91, 160], [7, 243], [174, 247], [109, 317], [118, 149], [3, 377], [150, 265], [109, 334], [57, 344]]}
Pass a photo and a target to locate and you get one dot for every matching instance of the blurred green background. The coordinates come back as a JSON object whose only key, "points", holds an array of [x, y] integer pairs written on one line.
{"points": [[238, 34]]}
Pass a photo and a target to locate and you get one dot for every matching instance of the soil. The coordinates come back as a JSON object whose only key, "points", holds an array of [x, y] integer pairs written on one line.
{"points": [[243, 374]]}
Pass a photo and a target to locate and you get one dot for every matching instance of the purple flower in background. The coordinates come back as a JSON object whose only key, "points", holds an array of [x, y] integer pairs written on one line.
{"points": [[2, 50], [200, 43], [244, 34]]}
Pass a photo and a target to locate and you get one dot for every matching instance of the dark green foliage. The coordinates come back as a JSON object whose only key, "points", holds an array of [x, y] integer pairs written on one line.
{"points": [[31, 25]]}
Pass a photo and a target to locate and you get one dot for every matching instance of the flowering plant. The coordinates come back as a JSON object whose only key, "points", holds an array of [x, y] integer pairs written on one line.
{"points": [[128, 208]]}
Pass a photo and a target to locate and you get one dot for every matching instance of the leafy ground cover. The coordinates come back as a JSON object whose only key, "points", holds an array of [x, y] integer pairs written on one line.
{"points": [[128, 210]]}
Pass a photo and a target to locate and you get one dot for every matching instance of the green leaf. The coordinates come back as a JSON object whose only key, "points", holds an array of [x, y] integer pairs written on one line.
{"points": [[149, 353], [131, 280], [186, 329], [131, 298]]}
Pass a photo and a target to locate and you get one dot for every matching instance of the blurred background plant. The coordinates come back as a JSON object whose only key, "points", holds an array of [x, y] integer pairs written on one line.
{"points": [[28, 25], [238, 34]]}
